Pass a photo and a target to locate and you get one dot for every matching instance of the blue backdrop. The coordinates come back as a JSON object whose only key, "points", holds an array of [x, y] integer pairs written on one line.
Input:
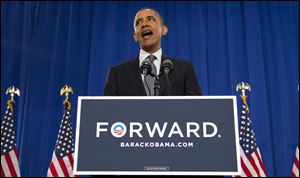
{"points": [[45, 45]]}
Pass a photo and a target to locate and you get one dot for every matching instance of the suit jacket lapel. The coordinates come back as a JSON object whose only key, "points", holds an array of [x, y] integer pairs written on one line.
{"points": [[139, 82]]}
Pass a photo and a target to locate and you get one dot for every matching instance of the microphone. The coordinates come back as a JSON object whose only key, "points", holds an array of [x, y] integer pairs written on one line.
{"points": [[145, 67], [167, 66]]}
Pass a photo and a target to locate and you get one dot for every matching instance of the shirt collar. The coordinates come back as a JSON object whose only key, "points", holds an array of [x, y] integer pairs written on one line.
{"points": [[143, 55]]}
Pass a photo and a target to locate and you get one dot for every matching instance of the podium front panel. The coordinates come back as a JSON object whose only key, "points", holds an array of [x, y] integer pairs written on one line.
{"points": [[191, 135]]}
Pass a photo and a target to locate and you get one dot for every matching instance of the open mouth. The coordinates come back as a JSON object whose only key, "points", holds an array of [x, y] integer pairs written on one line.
{"points": [[147, 34]]}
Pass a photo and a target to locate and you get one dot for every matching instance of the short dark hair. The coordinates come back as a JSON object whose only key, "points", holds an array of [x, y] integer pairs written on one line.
{"points": [[161, 18]]}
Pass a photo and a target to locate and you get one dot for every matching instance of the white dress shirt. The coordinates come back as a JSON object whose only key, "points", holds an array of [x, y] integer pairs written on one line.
{"points": [[157, 54]]}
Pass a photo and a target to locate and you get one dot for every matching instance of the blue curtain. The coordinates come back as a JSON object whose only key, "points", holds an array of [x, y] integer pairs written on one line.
{"points": [[45, 45]]}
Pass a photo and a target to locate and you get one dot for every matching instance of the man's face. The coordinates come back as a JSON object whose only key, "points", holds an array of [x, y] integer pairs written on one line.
{"points": [[148, 30]]}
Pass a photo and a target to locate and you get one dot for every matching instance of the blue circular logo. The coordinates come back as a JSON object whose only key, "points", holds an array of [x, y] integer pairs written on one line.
{"points": [[118, 129]]}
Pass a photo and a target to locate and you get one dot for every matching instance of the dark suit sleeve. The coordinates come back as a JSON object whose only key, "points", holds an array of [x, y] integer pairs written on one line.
{"points": [[191, 82], [110, 88]]}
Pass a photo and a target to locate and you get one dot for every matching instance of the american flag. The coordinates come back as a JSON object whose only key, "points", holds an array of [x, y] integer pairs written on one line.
{"points": [[251, 160], [9, 154], [62, 158], [295, 171]]}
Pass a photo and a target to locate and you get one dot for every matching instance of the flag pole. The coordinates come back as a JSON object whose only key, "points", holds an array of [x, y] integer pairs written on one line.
{"points": [[243, 87], [66, 90], [12, 91]]}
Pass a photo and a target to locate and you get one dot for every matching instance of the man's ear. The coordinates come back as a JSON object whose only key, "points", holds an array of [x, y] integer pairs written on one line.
{"points": [[164, 30], [134, 37]]}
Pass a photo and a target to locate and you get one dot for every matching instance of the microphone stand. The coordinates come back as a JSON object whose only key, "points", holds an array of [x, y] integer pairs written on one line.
{"points": [[168, 84], [156, 85]]}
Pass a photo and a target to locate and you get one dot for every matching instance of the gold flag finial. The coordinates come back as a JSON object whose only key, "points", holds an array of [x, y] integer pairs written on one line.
{"points": [[243, 87], [12, 91], [66, 90]]}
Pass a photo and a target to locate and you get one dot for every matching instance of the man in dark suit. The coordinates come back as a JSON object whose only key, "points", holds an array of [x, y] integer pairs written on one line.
{"points": [[126, 80]]}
